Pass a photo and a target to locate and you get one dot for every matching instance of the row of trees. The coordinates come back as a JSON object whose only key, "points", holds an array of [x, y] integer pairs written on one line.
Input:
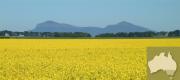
{"points": [[130, 34], [43, 34], [175, 33], [6, 33]]}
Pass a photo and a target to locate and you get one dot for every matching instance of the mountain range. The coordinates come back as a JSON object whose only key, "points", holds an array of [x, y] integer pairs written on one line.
{"points": [[52, 26]]}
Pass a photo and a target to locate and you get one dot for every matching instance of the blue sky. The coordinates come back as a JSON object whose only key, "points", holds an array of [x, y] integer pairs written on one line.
{"points": [[22, 15]]}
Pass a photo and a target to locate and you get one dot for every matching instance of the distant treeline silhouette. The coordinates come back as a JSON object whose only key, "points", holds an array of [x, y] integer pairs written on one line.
{"points": [[175, 33], [7, 33]]}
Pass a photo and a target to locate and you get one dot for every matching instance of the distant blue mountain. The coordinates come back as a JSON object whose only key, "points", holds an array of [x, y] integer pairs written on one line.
{"points": [[124, 27], [51, 26]]}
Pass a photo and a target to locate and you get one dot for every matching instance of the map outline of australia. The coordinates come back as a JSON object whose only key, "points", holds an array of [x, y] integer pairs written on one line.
{"points": [[164, 63]]}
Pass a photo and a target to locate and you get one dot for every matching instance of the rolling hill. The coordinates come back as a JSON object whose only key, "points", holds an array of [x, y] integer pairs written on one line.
{"points": [[52, 26]]}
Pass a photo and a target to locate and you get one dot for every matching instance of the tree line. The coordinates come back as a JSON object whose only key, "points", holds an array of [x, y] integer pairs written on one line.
{"points": [[43, 34], [7, 33], [175, 33]]}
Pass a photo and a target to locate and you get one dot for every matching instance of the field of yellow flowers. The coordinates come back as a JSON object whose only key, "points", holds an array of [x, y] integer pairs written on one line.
{"points": [[76, 59]]}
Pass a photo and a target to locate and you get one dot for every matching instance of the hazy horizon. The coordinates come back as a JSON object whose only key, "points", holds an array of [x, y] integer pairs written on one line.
{"points": [[20, 15]]}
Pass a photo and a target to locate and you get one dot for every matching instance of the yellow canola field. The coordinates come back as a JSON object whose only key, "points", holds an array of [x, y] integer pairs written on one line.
{"points": [[77, 59]]}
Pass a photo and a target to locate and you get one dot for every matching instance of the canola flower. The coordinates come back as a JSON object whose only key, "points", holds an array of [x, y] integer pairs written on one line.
{"points": [[76, 59]]}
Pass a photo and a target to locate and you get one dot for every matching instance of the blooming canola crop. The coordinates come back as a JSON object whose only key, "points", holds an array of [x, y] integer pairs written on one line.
{"points": [[76, 59]]}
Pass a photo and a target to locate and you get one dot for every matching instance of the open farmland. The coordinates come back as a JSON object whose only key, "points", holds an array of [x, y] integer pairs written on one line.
{"points": [[76, 59]]}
